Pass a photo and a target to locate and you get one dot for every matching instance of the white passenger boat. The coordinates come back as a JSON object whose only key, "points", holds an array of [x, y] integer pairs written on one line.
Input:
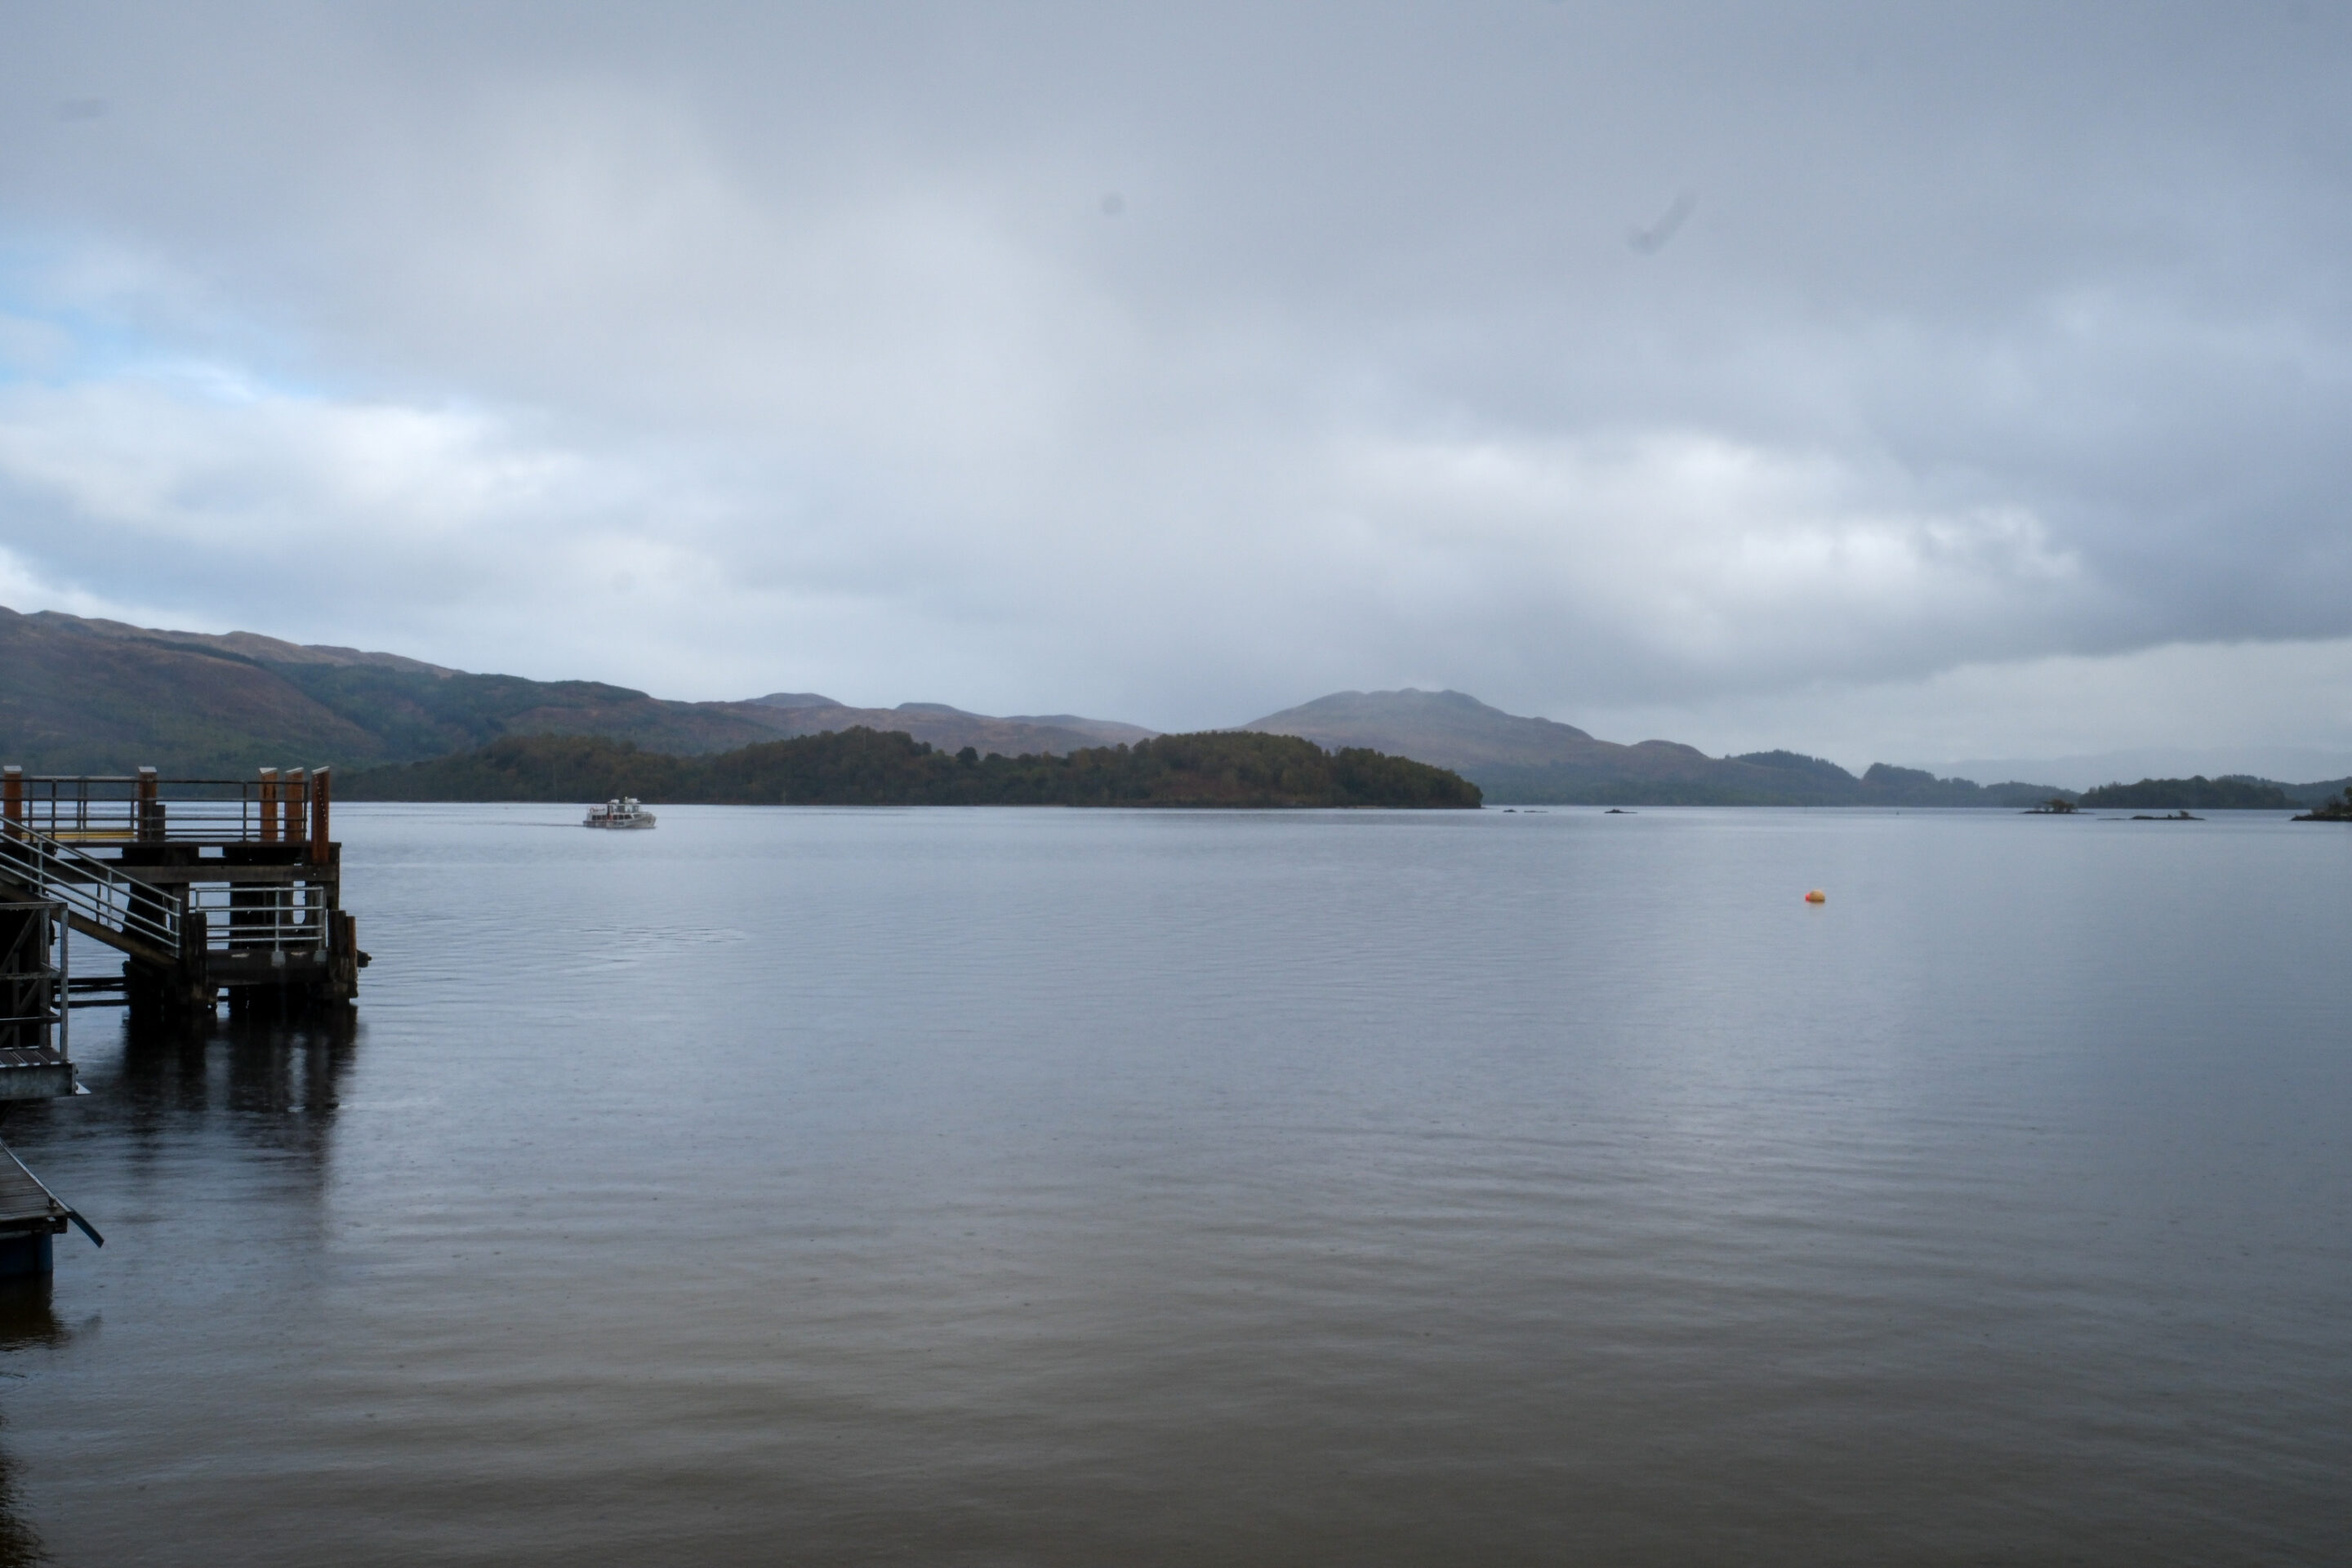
{"points": [[623, 813]]}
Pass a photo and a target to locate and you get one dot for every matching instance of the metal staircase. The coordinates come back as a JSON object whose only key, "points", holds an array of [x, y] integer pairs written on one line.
{"points": [[100, 901]]}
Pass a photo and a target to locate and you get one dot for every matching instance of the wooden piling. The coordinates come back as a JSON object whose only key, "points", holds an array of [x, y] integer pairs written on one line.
{"points": [[269, 805], [319, 850]]}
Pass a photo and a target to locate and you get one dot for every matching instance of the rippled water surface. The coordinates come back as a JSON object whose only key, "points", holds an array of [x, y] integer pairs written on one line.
{"points": [[1102, 1188]]}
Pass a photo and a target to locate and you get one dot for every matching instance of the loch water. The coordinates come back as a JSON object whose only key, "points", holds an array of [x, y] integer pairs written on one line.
{"points": [[1092, 1187]]}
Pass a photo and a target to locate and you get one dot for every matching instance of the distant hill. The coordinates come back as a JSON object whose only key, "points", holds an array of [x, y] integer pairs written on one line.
{"points": [[95, 696], [88, 697], [2197, 793], [865, 767], [2089, 770], [250, 645], [2319, 793], [951, 729], [1537, 761]]}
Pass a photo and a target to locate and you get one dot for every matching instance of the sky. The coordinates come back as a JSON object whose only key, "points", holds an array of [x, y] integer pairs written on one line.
{"points": [[1881, 382]]}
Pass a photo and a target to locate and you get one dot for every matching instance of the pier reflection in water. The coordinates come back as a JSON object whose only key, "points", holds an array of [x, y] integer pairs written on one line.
{"points": [[201, 1151], [28, 1326], [269, 1080]]}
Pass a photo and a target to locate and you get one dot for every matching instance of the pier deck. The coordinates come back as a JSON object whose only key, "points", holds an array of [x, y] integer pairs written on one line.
{"points": [[26, 1205], [29, 1216]]}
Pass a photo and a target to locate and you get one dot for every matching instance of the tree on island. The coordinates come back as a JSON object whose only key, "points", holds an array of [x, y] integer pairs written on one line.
{"points": [[2330, 810], [2232, 792]]}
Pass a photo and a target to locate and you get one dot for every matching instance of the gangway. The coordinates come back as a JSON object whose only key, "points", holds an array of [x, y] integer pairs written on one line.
{"points": [[100, 901]]}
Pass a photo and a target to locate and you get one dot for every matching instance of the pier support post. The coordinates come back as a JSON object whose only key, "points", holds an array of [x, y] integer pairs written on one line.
{"points": [[150, 809], [320, 790], [195, 993], [25, 1253]]}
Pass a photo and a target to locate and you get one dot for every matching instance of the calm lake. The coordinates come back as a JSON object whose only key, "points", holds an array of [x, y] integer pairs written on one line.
{"points": [[1125, 1187]]}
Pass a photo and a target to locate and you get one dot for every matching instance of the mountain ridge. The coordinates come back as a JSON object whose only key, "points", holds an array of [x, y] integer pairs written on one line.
{"points": [[92, 695], [87, 695]]}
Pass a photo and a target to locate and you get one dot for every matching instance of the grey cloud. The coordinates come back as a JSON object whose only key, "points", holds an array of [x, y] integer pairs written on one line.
{"points": [[2001, 332]]}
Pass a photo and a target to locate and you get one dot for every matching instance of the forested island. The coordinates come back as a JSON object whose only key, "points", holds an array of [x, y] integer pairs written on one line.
{"points": [[2233, 793], [871, 767]]}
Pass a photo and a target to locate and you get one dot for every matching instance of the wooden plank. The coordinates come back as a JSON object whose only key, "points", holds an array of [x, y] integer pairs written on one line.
{"points": [[24, 1203]]}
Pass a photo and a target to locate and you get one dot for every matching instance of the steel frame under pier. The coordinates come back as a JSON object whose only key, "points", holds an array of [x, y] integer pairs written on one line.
{"points": [[36, 1017]]}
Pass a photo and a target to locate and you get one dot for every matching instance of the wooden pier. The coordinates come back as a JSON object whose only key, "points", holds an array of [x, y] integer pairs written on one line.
{"points": [[213, 889]]}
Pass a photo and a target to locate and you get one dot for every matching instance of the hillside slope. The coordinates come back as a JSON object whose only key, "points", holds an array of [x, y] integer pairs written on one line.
{"points": [[77, 699], [95, 696]]}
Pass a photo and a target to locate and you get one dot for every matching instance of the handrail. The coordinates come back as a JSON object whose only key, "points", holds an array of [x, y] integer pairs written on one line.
{"points": [[146, 808], [288, 918], [90, 886], [132, 779]]}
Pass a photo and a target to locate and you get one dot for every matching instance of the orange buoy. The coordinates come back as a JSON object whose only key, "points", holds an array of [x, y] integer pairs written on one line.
{"points": [[1817, 897]]}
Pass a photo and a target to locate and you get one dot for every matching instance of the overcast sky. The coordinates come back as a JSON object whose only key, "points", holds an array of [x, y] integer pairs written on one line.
{"points": [[1881, 382]]}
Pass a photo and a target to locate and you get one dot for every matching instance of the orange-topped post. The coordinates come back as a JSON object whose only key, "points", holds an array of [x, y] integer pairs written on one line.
{"points": [[319, 850], [269, 805], [292, 790]]}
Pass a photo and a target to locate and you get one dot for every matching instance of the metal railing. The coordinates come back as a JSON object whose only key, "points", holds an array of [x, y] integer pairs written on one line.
{"points": [[267, 919], [89, 888], [145, 808]]}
